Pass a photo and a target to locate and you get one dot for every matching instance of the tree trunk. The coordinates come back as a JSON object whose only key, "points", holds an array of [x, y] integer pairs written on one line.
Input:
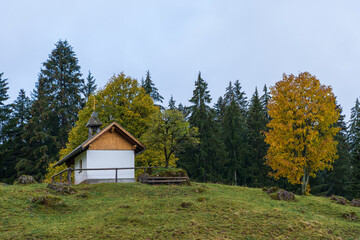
{"points": [[305, 181]]}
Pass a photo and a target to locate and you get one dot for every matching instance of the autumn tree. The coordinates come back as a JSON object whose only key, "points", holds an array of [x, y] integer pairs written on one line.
{"points": [[302, 128], [168, 130]]}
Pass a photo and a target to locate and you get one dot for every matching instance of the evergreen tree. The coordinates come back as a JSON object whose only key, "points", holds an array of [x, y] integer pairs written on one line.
{"points": [[57, 100], [264, 101], [14, 129], [150, 88], [4, 108], [234, 132], [4, 117], [206, 161], [89, 87], [172, 103], [354, 141], [256, 122]]}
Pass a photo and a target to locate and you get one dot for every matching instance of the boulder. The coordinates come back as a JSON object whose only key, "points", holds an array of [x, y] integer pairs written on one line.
{"points": [[283, 195], [350, 216], [339, 200], [25, 179], [61, 188], [355, 203], [46, 200]]}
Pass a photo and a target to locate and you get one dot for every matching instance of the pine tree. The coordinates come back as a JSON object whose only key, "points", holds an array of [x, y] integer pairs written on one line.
{"points": [[265, 98], [57, 100], [14, 129], [4, 108], [4, 117], [150, 88], [234, 132], [172, 103], [354, 141], [89, 87], [256, 123], [205, 162]]}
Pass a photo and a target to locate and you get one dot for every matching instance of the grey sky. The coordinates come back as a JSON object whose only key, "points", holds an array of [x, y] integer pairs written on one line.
{"points": [[253, 41]]}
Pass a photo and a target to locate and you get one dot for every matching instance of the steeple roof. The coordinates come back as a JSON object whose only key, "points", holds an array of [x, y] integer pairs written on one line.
{"points": [[94, 121]]}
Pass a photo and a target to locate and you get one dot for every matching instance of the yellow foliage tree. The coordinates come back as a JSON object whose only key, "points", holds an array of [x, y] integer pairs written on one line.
{"points": [[302, 128], [122, 100]]}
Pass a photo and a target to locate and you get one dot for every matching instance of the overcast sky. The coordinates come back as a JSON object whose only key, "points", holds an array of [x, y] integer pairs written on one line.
{"points": [[252, 41]]}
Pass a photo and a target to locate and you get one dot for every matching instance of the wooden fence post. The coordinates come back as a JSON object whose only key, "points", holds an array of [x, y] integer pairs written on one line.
{"points": [[69, 176], [116, 175], [60, 177]]}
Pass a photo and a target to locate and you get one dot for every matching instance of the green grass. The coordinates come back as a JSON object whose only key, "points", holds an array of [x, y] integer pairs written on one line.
{"points": [[139, 211]]}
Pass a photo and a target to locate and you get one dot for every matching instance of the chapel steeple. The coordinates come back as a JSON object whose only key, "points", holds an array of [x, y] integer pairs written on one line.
{"points": [[93, 124]]}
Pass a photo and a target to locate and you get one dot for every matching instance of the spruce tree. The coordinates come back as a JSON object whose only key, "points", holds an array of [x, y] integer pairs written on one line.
{"points": [[206, 161], [4, 117], [171, 104], [14, 129], [89, 86], [57, 100], [150, 88], [4, 108], [234, 132], [354, 141], [256, 123]]}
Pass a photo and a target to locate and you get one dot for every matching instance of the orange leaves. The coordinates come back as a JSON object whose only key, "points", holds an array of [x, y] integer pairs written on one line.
{"points": [[301, 131]]}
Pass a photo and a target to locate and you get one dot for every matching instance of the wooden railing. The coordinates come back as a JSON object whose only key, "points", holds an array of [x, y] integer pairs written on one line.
{"points": [[70, 170]]}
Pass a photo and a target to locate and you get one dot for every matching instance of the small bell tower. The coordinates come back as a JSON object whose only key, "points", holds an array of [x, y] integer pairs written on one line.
{"points": [[94, 123]]}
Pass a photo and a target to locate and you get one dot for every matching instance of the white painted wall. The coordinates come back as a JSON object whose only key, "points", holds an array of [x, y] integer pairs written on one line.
{"points": [[80, 176], [110, 159]]}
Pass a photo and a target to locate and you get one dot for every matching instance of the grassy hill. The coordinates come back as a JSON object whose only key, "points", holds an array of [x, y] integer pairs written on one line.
{"points": [[139, 211]]}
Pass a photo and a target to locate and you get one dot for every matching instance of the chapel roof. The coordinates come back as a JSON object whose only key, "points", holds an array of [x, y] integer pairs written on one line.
{"points": [[111, 127]]}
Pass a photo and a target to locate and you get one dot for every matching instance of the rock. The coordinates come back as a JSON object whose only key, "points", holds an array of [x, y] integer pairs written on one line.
{"points": [[25, 179], [186, 204], [283, 195], [271, 190], [201, 199], [46, 200], [61, 188], [339, 200], [200, 190], [350, 216], [355, 203]]}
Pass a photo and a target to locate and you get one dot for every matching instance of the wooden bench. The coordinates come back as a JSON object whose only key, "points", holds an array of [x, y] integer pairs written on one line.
{"points": [[162, 180]]}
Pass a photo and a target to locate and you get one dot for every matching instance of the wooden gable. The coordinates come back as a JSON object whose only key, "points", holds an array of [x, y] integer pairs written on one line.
{"points": [[111, 140]]}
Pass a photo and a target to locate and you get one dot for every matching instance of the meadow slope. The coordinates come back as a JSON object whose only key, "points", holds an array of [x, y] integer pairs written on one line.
{"points": [[139, 211]]}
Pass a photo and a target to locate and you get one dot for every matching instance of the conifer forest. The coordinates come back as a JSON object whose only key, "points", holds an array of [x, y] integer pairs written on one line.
{"points": [[292, 135]]}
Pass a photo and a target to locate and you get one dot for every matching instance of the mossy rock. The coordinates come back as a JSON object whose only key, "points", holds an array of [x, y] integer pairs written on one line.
{"points": [[25, 179], [61, 188], [271, 190], [350, 216], [339, 199], [201, 199], [200, 190], [46, 200], [283, 195], [355, 203], [186, 204]]}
